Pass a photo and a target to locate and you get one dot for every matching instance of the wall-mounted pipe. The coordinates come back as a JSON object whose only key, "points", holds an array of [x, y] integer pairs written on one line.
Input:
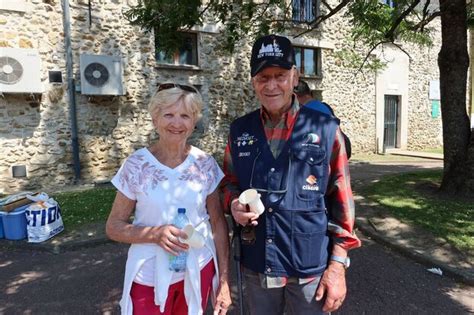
{"points": [[71, 88]]}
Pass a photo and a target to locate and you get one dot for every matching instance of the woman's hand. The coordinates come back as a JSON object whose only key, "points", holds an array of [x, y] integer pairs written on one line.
{"points": [[119, 229], [167, 237], [221, 239], [223, 300]]}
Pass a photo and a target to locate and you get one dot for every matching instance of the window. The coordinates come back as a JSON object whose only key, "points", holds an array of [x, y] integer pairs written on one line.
{"points": [[185, 55], [308, 61], [305, 10], [390, 3]]}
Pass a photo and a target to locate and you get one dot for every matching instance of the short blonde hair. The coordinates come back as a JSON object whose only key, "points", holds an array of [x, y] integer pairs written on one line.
{"points": [[168, 97]]}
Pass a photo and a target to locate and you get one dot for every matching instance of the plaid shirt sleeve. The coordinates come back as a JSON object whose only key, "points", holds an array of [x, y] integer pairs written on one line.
{"points": [[339, 198], [230, 184]]}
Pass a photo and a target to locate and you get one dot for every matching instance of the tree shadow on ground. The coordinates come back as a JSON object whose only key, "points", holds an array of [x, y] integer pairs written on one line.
{"points": [[87, 281], [380, 281]]}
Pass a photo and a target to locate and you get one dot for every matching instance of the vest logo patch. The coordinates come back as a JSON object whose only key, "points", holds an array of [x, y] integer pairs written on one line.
{"points": [[310, 187], [241, 154], [313, 183], [245, 139], [311, 179], [312, 138]]}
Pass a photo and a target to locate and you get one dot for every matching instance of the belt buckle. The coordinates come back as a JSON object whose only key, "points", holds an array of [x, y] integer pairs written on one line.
{"points": [[247, 235]]}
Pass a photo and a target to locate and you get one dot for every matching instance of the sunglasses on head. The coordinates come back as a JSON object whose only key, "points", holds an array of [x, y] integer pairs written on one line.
{"points": [[166, 86]]}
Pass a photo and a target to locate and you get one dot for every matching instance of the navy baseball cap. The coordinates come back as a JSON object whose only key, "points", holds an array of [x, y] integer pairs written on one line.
{"points": [[271, 50]]}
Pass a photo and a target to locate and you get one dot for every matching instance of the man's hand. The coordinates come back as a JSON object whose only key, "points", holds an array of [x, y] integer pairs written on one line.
{"points": [[333, 285], [241, 215]]}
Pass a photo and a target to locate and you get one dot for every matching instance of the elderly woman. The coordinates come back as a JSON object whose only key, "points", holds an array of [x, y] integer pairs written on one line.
{"points": [[153, 183]]}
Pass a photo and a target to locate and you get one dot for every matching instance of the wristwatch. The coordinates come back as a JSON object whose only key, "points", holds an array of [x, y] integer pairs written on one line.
{"points": [[345, 261]]}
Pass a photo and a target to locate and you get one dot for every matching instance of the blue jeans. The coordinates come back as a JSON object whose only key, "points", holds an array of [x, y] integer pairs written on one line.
{"points": [[292, 299]]}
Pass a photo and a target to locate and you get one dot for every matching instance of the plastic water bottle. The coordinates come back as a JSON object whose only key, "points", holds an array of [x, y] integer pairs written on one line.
{"points": [[178, 263]]}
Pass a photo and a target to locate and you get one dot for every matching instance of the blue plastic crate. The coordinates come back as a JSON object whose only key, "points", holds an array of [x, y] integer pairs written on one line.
{"points": [[14, 224], [2, 234]]}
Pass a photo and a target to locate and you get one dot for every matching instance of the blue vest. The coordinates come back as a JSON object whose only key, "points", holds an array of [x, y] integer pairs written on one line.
{"points": [[291, 235]]}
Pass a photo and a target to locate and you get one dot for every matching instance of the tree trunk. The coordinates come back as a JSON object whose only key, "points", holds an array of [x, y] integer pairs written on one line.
{"points": [[453, 61]]}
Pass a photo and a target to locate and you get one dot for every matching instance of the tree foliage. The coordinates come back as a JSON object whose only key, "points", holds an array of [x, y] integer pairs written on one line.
{"points": [[373, 24], [239, 18], [165, 17]]}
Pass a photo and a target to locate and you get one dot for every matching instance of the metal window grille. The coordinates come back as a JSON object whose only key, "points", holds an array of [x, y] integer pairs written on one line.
{"points": [[304, 10], [391, 121]]}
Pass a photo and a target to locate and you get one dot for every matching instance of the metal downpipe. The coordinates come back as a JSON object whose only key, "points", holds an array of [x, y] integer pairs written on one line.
{"points": [[71, 89]]}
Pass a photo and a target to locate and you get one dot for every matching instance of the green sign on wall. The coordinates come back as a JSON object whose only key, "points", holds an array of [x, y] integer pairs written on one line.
{"points": [[435, 109]]}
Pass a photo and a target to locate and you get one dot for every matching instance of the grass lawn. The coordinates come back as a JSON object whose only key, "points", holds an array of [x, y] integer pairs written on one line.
{"points": [[88, 206], [434, 150], [412, 197]]}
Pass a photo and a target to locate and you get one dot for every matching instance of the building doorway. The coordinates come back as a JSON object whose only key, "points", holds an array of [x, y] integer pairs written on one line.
{"points": [[391, 121]]}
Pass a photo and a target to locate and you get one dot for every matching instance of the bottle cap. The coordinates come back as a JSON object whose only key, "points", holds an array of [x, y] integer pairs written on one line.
{"points": [[181, 210]]}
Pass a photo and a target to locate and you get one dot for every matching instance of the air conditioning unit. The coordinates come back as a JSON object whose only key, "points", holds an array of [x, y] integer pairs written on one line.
{"points": [[20, 71], [101, 75]]}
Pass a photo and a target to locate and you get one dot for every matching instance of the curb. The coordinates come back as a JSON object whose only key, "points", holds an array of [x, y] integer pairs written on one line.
{"points": [[421, 155], [365, 227]]}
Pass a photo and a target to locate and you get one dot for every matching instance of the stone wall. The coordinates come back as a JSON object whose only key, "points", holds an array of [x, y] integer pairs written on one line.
{"points": [[351, 94], [424, 131], [36, 131]]}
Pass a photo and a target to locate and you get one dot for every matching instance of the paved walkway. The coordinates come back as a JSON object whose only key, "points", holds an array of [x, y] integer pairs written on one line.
{"points": [[371, 219]]}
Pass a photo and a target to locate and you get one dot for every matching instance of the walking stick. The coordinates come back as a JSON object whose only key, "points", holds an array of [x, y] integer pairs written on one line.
{"points": [[237, 248]]}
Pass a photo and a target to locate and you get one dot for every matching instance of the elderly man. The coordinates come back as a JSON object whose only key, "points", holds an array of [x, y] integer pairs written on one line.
{"points": [[294, 255]]}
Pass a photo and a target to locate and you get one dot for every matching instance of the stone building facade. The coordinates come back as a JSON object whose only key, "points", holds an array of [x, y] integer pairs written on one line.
{"points": [[35, 128]]}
